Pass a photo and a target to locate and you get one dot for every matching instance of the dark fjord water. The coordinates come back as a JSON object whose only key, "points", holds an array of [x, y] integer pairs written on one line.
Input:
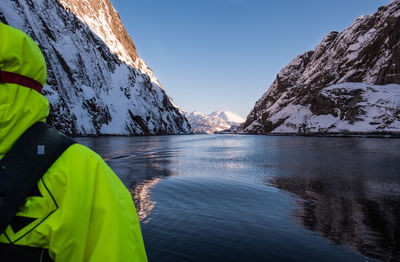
{"points": [[261, 198]]}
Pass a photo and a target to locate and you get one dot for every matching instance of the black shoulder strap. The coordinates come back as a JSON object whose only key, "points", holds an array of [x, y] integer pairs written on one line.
{"points": [[26, 162], [18, 253]]}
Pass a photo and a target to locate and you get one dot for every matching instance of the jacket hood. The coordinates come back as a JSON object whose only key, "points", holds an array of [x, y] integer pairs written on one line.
{"points": [[20, 107]]}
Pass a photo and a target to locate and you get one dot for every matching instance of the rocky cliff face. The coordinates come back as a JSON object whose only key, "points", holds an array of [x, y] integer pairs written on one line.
{"points": [[97, 84], [363, 59]]}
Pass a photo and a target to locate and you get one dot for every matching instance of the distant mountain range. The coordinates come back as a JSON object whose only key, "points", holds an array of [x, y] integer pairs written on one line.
{"points": [[97, 84], [348, 84], [215, 122]]}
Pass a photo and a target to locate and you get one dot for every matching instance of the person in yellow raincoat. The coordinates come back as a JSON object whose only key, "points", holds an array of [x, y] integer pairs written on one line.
{"points": [[82, 211]]}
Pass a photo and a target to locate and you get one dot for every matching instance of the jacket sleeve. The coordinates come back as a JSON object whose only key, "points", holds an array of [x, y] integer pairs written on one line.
{"points": [[96, 220]]}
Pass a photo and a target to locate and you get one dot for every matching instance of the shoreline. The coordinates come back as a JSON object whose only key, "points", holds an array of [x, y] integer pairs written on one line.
{"points": [[336, 134], [393, 135]]}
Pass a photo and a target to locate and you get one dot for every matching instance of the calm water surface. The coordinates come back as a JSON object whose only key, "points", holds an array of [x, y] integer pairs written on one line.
{"points": [[261, 198]]}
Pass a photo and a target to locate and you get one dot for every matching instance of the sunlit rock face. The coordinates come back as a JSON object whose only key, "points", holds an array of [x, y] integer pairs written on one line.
{"points": [[97, 84], [348, 84]]}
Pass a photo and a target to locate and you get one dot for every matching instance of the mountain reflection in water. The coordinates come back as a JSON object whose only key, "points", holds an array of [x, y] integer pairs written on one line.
{"points": [[364, 215], [349, 192], [261, 198]]}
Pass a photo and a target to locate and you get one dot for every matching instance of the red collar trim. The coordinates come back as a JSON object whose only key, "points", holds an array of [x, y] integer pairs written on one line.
{"points": [[13, 78]]}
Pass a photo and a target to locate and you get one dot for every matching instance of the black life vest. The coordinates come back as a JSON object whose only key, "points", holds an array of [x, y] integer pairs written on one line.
{"points": [[20, 170]]}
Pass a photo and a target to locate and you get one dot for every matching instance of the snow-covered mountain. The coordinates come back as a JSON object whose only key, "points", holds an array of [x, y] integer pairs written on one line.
{"points": [[348, 84], [215, 122], [229, 117], [97, 84]]}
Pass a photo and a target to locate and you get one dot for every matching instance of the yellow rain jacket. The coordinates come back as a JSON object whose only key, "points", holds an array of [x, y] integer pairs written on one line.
{"points": [[84, 212]]}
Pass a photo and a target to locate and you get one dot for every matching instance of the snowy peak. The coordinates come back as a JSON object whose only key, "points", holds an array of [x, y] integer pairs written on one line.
{"points": [[306, 97], [229, 117], [217, 121]]}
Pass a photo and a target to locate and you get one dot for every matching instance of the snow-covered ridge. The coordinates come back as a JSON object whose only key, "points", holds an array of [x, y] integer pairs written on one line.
{"points": [[215, 122], [91, 89], [105, 22], [306, 97]]}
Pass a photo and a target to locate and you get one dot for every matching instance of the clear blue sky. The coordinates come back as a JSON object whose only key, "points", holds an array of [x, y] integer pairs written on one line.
{"points": [[224, 54]]}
